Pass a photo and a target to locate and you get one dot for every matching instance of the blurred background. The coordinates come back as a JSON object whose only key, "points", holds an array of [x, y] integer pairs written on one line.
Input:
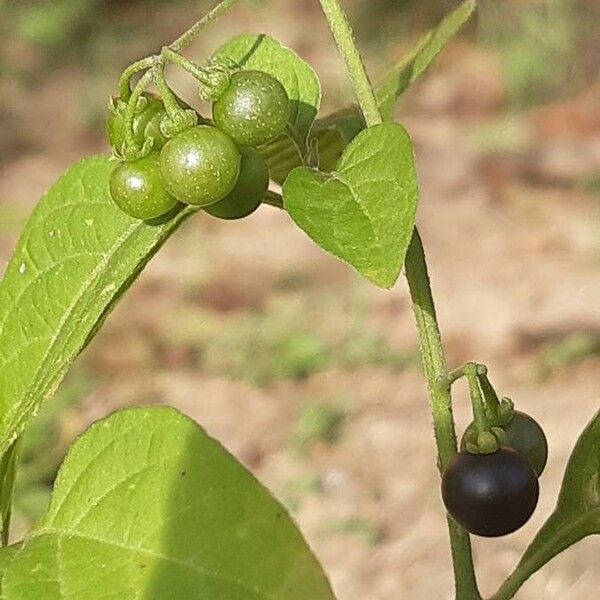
{"points": [[310, 376]]}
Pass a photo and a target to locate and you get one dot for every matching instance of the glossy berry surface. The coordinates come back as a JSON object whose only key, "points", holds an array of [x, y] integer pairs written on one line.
{"points": [[490, 494], [248, 193], [525, 436], [146, 123], [200, 166], [137, 188], [254, 109]]}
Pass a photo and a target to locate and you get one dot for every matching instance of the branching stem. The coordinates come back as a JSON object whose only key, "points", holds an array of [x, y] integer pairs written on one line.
{"points": [[418, 280], [344, 38], [186, 38], [187, 65]]}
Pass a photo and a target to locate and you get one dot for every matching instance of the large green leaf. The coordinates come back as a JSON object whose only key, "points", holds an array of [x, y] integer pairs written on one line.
{"points": [[577, 513], [146, 505], [6, 555], [266, 54], [8, 470], [416, 62], [364, 211], [76, 256]]}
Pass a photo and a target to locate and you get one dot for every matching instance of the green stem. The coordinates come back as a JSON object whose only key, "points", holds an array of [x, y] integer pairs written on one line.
{"points": [[171, 105], [129, 72], [418, 280], [479, 413], [297, 141], [132, 103], [187, 65], [455, 375], [532, 562], [186, 39], [434, 364], [342, 32], [492, 402]]}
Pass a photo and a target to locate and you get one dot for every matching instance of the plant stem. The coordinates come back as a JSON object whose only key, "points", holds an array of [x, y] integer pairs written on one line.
{"points": [[129, 72], [492, 402], [342, 32], [434, 364], [186, 38], [181, 42], [455, 375], [418, 280], [479, 412], [140, 86], [298, 142], [171, 105], [187, 65]]}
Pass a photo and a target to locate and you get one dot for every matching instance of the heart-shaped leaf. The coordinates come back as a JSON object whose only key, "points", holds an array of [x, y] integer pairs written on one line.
{"points": [[76, 257], [364, 211], [146, 505], [577, 513], [264, 53]]}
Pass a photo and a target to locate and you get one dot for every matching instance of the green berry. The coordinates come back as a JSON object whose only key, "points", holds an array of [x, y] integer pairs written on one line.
{"points": [[254, 109], [200, 166], [137, 188], [249, 191]]}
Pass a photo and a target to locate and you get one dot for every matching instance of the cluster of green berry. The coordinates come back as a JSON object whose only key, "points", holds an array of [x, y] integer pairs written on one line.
{"points": [[211, 165]]}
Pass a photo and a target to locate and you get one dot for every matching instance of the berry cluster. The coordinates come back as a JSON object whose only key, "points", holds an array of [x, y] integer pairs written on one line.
{"points": [[211, 165], [495, 493]]}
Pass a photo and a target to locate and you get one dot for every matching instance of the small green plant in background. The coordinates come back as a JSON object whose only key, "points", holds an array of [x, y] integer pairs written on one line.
{"points": [[537, 43], [355, 526], [43, 447], [146, 504], [317, 423], [572, 349]]}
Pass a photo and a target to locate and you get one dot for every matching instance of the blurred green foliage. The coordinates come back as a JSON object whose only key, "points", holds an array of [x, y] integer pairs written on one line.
{"points": [[363, 528], [294, 492], [44, 445], [539, 45], [570, 350], [317, 423], [52, 22], [287, 342]]}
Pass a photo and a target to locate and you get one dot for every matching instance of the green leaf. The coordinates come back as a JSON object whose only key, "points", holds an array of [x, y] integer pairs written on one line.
{"points": [[7, 553], [331, 134], [577, 512], [8, 471], [364, 212], [77, 255], [146, 505], [264, 53], [413, 65]]}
